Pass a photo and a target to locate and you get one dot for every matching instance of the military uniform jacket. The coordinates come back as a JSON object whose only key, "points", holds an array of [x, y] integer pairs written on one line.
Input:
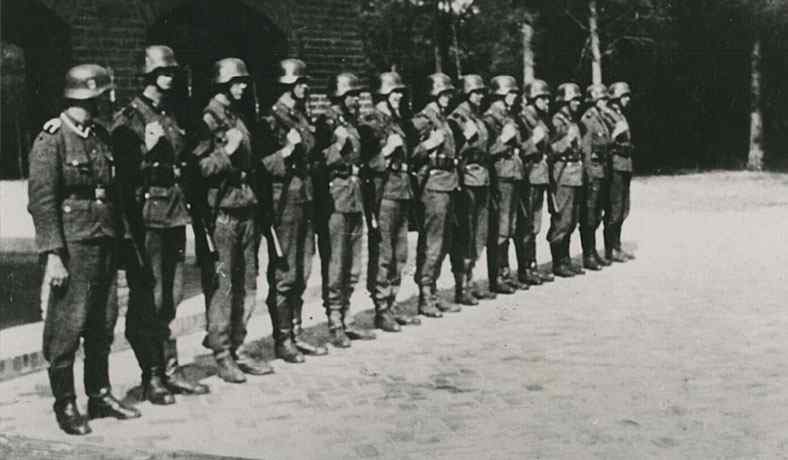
{"points": [[440, 174], [294, 170], [474, 153], [228, 175], [595, 142], [343, 160], [71, 186], [508, 164], [152, 177], [535, 155], [566, 153], [621, 147], [376, 126]]}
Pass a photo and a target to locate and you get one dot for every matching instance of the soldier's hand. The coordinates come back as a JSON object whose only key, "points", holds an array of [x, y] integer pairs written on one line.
{"points": [[393, 142], [293, 137], [574, 133], [508, 132], [620, 128], [435, 140], [341, 134], [234, 138], [538, 134], [469, 129], [55, 273], [153, 132]]}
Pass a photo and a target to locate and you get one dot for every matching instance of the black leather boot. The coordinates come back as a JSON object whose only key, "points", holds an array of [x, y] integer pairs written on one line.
{"points": [[601, 261], [174, 379], [477, 291], [386, 321], [286, 349], [251, 364], [299, 340], [462, 294], [61, 380], [614, 255], [568, 259], [559, 267], [228, 369], [336, 330], [529, 277], [103, 404], [402, 317], [440, 304], [545, 276], [154, 390], [589, 262], [427, 304]]}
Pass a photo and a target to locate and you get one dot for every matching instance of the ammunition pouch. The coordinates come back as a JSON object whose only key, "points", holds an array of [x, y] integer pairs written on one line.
{"points": [[345, 171], [444, 163], [90, 193]]}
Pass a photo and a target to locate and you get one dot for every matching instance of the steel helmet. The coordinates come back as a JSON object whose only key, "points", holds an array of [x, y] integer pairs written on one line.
{"points": [[292, 70], [440, 83], [344, 83], [389, 82], [228, 68], [537, 88], [503, 85], [619, 89], [568, 92], [471, 83], [87, 81], [596, 92], [158, 57]]}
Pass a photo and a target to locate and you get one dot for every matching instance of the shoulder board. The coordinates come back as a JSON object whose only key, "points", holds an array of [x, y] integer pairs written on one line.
{"points": [[52, 125]]}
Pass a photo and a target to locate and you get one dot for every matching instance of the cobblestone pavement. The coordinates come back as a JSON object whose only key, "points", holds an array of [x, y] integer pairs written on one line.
{"points": [[678, 354]]}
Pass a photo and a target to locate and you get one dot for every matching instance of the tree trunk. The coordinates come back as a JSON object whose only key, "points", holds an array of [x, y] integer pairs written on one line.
{"points": [[456, 45], [528, 51], [755, 157], [437, 39], [596, 55]]}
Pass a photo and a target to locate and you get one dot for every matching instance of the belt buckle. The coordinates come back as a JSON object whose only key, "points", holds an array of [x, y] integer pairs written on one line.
{"points": [[100, 193]]}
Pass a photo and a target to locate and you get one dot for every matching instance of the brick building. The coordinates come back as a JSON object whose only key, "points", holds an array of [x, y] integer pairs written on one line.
{"points": [[41, 39]]}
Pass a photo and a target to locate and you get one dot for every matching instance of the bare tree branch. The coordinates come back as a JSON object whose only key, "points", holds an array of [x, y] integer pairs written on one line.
{"points": [[575, 20]]}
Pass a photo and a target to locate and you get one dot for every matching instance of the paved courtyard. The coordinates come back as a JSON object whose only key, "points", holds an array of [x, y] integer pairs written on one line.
{"points": [[682, 353]]}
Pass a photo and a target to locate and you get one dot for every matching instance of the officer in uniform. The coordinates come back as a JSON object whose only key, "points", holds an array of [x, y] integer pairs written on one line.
{"points": [[595, 143], [340, 144], [470, 235], [566, 179], [386, 155], [150, 149], [435, 159], [73, 198], [226, 162], [536, 152], [291, 143], [621, 171], [507, 143]]}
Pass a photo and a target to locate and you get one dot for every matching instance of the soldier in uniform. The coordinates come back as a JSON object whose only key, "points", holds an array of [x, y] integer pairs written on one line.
{"points": [[340, 144], [73, 198], [290, 204], [150, 148], [507, 143], [595, 142], [470, 235], [435, 160], [535, 156], [226, 161], [621, 171], [566, 179], [386, 155]]}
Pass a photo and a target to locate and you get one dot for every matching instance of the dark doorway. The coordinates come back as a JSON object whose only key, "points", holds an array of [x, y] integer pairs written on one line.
{"points": [[36, 53], [203, 31]]}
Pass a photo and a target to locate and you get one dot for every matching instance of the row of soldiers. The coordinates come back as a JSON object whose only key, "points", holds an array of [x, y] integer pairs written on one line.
{"points": [[476, 175]]}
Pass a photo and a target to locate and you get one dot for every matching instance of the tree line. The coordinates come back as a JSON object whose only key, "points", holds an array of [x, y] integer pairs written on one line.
{"points": [[709, 76]]}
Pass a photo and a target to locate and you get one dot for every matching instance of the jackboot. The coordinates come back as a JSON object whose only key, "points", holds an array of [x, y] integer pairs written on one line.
{"points": [[427, 304], [571, 263], [528, 276], [286, 349], [589, 262], [440, 304], [300, 341], [601, 261], [512, 280], [559, 267], [462, 294], [477, 291], [228, 369], [67, 414], [154, 390], [336, 330], [402, 317], [103, 404], [545, 276], [386, 321], [614, 255], [174, 379], [355, 333], [251, 365]]}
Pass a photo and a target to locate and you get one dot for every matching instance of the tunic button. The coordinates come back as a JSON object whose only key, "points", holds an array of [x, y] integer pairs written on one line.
{"points": [[67, 209]]}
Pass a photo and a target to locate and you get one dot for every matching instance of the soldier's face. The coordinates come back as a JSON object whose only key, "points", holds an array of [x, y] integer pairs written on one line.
{"points": [[542, 104], [395, 99], [237, 89], [510, 98], [164, 80], [475, 98], [444, 99], [601, 103], [300, 90], [351, 101], [625, 101], [574, 105]]}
